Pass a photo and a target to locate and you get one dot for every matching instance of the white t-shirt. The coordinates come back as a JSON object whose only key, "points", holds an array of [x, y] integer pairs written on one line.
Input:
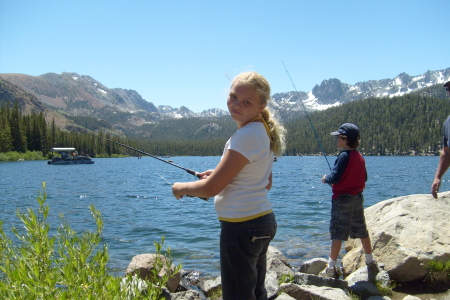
{"points": [[245, 197]]}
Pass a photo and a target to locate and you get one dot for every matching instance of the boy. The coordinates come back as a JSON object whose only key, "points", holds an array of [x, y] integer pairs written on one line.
{"points": [[348, 179]]}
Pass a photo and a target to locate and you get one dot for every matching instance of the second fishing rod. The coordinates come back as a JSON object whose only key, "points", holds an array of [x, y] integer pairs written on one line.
{"points": [[306, 113], [192, 172]]}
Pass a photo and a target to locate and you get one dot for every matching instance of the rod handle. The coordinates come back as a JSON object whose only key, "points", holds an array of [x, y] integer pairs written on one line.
{"points": [[192, 172]]}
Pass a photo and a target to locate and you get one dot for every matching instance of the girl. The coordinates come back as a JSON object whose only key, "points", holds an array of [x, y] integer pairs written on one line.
{"points": [[240, 183]]}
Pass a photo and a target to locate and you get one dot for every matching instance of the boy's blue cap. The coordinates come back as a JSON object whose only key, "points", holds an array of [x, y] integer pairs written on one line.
{"points": [[347, 129]]}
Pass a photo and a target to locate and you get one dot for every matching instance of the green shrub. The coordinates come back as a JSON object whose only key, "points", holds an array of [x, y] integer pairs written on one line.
{"points": [[15, 156], [286, 278], [65, 266]]}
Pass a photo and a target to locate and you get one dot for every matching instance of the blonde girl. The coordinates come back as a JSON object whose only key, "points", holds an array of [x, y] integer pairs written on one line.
{"points": [[240, 183]]}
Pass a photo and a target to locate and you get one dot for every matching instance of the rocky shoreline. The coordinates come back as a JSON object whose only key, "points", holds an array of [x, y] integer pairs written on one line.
{"points": [[406, 232]]}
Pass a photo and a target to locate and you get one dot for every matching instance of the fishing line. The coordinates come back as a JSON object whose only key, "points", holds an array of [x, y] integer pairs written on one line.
{"points": [[192, 172], [306, 113]]}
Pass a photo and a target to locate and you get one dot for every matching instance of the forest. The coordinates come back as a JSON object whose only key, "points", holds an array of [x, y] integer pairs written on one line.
{"points": [[405, 125]]}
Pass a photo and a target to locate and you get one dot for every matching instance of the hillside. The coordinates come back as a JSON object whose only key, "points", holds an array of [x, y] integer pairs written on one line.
{"points": [[67, 97], [400, 125], [406, 125]]}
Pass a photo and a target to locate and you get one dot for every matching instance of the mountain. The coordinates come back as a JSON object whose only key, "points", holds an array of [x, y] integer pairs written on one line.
{"points": [[70, 95], [28, 102], [333, 92]]}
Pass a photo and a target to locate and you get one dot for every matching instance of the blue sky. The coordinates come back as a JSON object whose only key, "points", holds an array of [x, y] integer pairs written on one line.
{"points": [[184, 53]]}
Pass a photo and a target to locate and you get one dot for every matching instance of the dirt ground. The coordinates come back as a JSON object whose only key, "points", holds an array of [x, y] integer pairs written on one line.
{"points": [[419, 291]]}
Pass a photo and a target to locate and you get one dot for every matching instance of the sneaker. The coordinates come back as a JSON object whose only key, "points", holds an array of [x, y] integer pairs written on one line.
{"points": [[373, 267], [330, 273]]}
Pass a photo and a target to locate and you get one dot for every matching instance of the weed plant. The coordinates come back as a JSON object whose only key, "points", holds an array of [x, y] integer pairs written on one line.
{"points": [[67, 265]]}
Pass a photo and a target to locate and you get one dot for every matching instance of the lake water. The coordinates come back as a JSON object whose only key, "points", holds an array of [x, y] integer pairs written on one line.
{"points": [[138, 207]]}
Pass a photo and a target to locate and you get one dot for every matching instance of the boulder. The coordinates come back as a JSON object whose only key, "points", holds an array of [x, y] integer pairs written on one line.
{"points": [[212, 286], [309, 279], [307, 292], [143, 264], [406, 233], [284, 296], [276, 265], [186, 295], [273, 252], [314, 266], [363, 283], [271, 284]]}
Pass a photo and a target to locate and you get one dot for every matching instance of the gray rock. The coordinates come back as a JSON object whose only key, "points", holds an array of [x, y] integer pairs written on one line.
{"points": [[284, 296], [309, 279], [313, 266], [409, 297], [276, 265], [406, 232], [307, 292], [273, 252], [210, 287], [271, 284], [186, 295], [143, 264], [363, 283]]}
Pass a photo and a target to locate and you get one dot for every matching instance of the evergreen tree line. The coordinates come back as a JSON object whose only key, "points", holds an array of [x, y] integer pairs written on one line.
{"points": [[21, 133], [406, 125], [31, 132]]}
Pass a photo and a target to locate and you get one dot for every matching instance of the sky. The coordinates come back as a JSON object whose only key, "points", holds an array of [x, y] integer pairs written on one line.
{"points": [[185, 53]]}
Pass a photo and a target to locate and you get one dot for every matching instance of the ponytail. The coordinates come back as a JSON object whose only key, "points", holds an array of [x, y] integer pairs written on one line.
{"points": [[277, 133]]}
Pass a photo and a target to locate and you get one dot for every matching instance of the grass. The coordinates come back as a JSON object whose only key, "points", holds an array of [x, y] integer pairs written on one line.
{"points": [[67, 265], [438, 275]]}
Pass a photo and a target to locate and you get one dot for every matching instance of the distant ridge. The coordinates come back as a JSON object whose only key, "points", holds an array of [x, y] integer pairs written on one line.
{"points": [[68, 95]]}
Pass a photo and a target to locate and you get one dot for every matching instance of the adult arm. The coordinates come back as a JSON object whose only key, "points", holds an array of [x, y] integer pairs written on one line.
{"points": [[444, 164], [229, 166]]}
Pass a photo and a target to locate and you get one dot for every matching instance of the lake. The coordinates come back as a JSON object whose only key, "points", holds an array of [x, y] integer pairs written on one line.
{"points": [[138, 208]]}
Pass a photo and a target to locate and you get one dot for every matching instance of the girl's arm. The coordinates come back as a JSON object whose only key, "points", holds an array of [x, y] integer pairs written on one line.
{"points": [[269, 186], [213, 183]]}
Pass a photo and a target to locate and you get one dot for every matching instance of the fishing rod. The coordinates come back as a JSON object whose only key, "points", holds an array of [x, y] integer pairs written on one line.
{"points": [[206, 199], [306, 113], [192, 172]]}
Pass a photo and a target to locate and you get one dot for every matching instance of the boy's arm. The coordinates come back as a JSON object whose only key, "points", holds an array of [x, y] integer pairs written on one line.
{"points": [[338, 169]]}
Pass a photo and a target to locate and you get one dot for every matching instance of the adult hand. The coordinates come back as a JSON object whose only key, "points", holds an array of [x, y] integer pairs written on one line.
{"points": [[323, 178], [435, 187]]}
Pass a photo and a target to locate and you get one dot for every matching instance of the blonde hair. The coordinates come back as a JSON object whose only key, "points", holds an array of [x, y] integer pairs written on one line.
{"points": [[262, 87]]}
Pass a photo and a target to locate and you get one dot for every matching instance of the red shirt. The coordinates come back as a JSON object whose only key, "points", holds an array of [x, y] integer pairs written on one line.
{"points": [[348, 174]]}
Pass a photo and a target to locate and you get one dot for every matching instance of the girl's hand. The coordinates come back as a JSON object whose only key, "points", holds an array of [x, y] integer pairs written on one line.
{"points": [[323, 178], [177, 190], [205, 174]]}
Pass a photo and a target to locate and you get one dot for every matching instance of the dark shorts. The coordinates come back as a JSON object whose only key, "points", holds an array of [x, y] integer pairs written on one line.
{"points": [[347, 217]]}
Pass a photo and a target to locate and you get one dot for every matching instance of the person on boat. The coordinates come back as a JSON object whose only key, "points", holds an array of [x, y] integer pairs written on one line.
{"points": [[347, 179], [240, 183], [444, 159]]}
